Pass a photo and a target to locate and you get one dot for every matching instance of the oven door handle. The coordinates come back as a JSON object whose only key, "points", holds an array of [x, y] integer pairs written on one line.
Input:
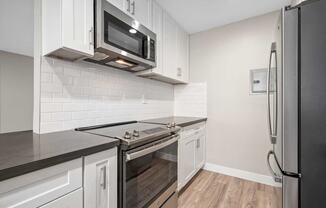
{"points": [[134, 155]]}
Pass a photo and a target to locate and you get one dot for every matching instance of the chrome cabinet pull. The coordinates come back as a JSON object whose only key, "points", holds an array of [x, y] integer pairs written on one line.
{"points": [[133, 4], [179, 71], [91, 37], [198, 143], [103, 184], [128, 8]]}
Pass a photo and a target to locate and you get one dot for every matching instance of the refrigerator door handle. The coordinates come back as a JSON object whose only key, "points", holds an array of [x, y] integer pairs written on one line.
{"points": [[272, 131], [277, 178]]}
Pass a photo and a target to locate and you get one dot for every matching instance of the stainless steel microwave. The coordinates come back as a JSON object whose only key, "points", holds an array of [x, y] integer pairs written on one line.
{"points": [[121, 41]]}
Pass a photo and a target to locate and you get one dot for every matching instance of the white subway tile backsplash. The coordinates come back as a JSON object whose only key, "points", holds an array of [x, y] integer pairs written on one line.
{"points": [[190, 100], [51, 88], [76, 94], [61, 116], [46, 77], [51, 107], [46, 117]]}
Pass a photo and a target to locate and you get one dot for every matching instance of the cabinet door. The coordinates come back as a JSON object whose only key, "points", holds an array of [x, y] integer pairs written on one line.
{"points": [[118, 3], [77, 25], [187, 160], [158, 29], [72, 200], [200, 152], [141, 9], [100, 180], [170, 30], [183, 54]]}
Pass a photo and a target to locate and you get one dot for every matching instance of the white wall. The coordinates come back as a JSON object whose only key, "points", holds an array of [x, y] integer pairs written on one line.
{"points": [[75, 94], [237, 128], [16, 26], [16, 92]]}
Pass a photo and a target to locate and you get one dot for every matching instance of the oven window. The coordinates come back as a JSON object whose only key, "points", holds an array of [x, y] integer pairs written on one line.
{"points": [[123, 36], [150, 175]]}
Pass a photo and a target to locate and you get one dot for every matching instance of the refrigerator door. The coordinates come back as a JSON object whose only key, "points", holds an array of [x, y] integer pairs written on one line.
{"points": [[287, 150], [278, 145], [288, 153], [283, 158], [313, 105], [290, 192]]}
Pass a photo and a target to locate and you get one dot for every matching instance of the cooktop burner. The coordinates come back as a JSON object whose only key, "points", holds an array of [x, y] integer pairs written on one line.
{"points": [[132, 133]]}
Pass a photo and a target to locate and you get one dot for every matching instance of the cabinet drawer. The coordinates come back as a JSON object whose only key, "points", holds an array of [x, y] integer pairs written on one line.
{"points": [[42, 186], [195, 129], [72, 200]]}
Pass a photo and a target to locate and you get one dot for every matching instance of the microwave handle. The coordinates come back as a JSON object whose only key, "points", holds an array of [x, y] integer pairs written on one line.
{"points": [[148, 47], [134, 155]]}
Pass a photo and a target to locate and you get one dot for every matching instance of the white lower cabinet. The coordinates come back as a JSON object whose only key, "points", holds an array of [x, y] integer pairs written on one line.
{"points": [[191, 153], [43, 186], [200, 151], [187, 164], [91, 183], [72, 200], [100, 180]]}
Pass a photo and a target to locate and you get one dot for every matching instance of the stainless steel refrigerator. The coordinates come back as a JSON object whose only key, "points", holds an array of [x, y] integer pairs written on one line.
{"points": [[296, 97]]}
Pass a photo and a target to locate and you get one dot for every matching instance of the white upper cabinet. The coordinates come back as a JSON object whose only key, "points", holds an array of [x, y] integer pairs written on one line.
{"points": [[170, 31], [157, 19], [117, 3], [175, 50], [183, 55], [140, 10], [67, 27], [172, 49]]}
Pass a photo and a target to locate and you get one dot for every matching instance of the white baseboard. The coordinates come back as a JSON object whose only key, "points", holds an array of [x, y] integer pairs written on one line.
{"points": [[264, 179]]}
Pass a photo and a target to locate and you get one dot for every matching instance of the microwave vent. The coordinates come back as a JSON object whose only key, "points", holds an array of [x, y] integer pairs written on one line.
{"points": [[100, 56], [138, 68]]}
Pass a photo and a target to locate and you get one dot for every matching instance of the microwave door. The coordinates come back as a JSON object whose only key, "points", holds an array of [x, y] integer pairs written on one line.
{"points": [[119, 36]]}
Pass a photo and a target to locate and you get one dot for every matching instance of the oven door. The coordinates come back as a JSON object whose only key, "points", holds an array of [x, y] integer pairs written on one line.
{"points": [[149, 172]]}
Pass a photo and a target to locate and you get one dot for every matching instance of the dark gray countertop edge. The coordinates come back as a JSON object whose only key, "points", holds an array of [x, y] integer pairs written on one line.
{"points": [[48, 162]]}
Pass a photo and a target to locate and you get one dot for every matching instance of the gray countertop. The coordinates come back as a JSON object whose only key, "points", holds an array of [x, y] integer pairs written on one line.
{"points": [[24, 152], [181, 121]]}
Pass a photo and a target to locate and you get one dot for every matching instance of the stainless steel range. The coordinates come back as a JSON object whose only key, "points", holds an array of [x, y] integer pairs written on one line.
{"points": [[147, 162]]}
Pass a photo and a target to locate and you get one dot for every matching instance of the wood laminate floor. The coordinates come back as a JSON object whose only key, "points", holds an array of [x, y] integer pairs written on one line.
{"points": [[213, 190]]}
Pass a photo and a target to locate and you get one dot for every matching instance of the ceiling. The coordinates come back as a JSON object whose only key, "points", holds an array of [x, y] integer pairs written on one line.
{"points": [[200, 15]]}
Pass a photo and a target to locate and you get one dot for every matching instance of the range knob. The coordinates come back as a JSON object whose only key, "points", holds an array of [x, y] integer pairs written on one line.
{"points": [[127, 135], [173, 124], [135, 133]]}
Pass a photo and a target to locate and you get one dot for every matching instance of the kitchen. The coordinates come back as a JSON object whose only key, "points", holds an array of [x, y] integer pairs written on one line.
{"points": [[146, 103]]}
